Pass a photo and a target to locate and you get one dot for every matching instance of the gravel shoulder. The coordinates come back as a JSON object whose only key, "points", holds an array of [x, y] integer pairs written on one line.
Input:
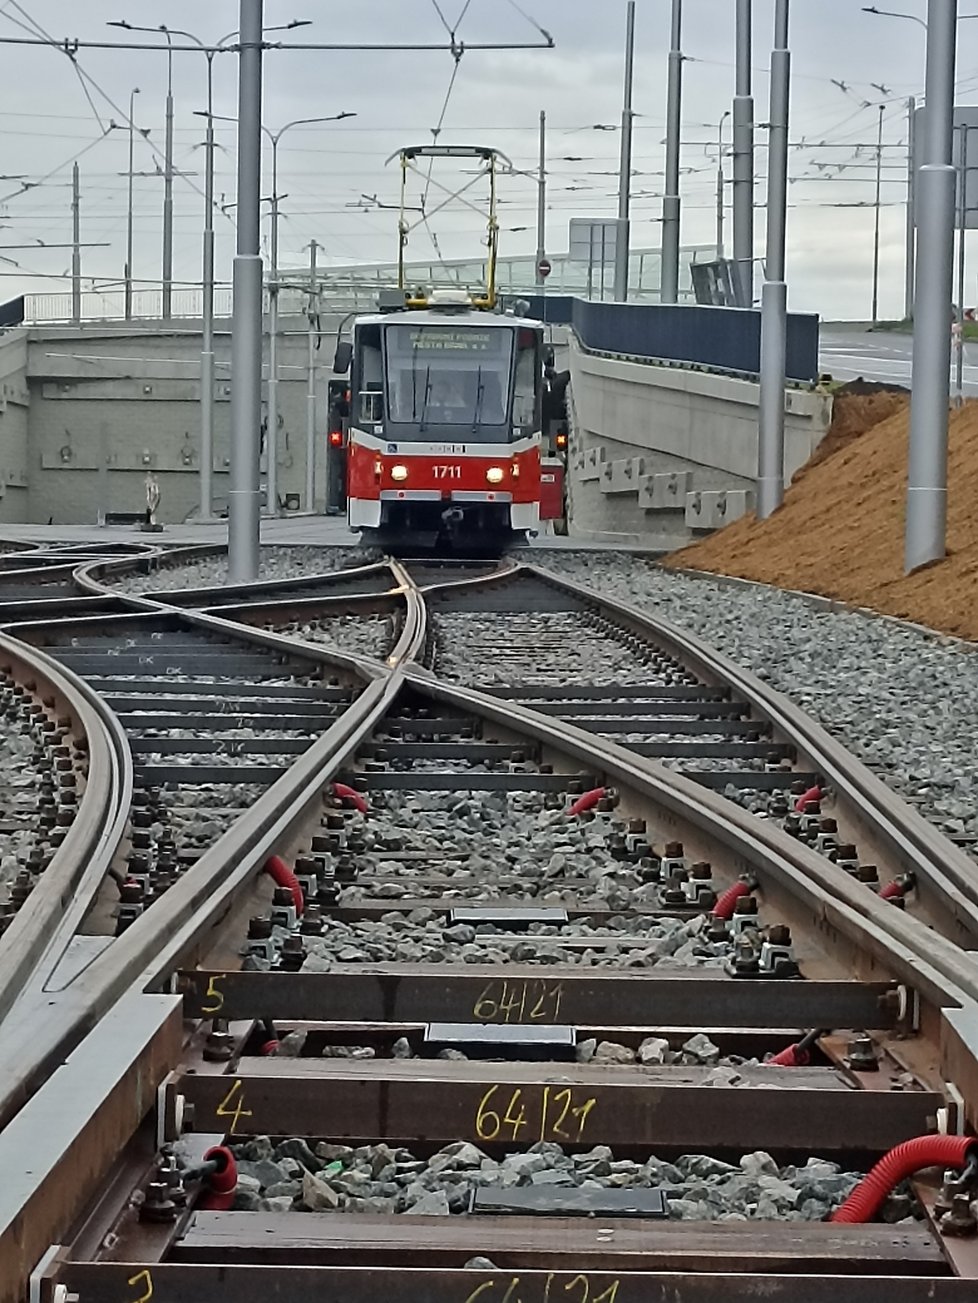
{"points": [[903, 701]]}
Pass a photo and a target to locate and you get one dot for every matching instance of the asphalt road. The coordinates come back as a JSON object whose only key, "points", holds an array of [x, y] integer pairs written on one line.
{"points": [[849, 354]]}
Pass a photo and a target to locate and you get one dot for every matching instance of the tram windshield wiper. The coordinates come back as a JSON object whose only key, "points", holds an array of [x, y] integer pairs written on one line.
{"points": [[424, 402], [480, 390], [414, 383]]}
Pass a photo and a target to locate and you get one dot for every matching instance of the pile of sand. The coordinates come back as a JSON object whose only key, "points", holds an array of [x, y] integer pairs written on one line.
{"points": [[840, 531]]}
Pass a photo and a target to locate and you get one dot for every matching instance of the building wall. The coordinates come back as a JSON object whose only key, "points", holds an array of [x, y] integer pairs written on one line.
{"points": [[108, 404], [14, 399]]}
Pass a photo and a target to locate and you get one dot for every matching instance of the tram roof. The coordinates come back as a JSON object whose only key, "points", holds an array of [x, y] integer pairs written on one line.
{"points": [[452, 317]]}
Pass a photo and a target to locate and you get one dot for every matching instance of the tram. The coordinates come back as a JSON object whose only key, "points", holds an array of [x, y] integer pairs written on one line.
{"points": [[444, 431]]}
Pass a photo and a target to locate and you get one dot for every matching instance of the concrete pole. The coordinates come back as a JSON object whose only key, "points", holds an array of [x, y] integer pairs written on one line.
{"points": [[132, 102], [670, 199], [75, 245], [743, 159], [774, 296], [244, 496], [168, 189], [623, 240], [876, 225], [542, 202], [911, 236], [962, 263], [271, 437], [207, 338], [311, 392], [927, 473]]}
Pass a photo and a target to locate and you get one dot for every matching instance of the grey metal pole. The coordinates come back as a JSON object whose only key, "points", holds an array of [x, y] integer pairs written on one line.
{"points": [[743, 159], [207, 337], [244, 496], [926, 520], [876, 225], [271, 437], [311, 393], [75, 245], [669, 292], [128, 309], [962, 259], [623, 237], [542, 201], [774, 296], [911, 237], [168, 189]]}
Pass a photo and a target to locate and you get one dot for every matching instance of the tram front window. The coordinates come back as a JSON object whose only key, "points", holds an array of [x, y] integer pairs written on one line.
{"points": [[449, 376]]}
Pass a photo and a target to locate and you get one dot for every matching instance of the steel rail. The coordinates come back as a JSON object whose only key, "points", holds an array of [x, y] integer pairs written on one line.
{"points": [[29, 1051], [198, 905], [909, 840], [43, 926], [206, 596], [836, 900]]}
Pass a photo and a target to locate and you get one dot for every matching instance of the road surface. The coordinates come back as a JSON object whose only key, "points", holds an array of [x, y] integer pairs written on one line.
{"points": [[884, 356]]}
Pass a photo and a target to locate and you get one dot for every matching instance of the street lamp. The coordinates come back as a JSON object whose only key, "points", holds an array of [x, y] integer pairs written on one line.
{"points": [[207, 356], [720, 184], [132, 108], [167, 164], [893, 13], [271, 440]]}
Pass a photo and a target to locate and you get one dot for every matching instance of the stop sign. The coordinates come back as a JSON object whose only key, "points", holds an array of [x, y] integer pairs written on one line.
{"points": [[544, 268]]}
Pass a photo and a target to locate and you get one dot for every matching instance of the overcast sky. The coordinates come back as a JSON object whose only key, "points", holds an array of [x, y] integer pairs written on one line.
{"points": [[46, 121]]}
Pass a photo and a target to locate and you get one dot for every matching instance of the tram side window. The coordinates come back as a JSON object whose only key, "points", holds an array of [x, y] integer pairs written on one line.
{"points": [[370, 379], [527, 386]]}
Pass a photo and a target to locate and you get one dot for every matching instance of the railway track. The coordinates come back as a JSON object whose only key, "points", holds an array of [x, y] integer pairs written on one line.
{"points": [[523, 914]]}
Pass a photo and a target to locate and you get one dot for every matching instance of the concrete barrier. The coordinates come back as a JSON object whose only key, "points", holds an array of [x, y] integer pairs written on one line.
{"points": [[666, 452]]}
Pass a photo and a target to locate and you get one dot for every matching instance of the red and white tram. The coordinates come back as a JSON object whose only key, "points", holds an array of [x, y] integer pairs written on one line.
{"points": [[444, 431]]}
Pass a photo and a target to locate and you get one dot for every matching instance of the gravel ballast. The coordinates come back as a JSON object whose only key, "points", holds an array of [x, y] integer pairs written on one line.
{"points": [[278, 562], [317, 1176], [903, 701]]}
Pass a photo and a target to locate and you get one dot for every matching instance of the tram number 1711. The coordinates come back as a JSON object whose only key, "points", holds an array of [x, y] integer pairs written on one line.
{"points": [[448, 472]]}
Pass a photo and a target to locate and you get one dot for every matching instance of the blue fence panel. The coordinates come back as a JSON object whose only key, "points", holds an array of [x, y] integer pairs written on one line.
{"points": [[724, 339]]}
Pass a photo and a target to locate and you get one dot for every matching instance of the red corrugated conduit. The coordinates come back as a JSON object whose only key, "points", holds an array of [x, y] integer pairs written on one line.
{"points": [[222, 1182], [282, 876], [724, 907], [924, 1151], [347, 793], [587, 802]]}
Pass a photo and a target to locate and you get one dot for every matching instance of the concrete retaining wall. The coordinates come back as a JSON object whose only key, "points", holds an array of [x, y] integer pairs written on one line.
{"points": [[86, 411], [666, 453]]}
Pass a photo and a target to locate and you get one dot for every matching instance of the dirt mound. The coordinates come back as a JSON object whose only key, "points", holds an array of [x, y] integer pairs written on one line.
{"points": [[840, 531], [856, 408]]}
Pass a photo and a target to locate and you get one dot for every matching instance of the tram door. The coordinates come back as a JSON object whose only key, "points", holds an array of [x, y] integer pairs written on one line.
{"points": [[339, 411]]}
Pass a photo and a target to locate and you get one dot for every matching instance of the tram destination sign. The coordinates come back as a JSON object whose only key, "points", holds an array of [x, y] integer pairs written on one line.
{"points": [[427, 339]]}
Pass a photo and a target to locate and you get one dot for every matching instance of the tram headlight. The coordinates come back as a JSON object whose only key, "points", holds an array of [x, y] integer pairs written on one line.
{"points": [[399, 473], [495, 474]]}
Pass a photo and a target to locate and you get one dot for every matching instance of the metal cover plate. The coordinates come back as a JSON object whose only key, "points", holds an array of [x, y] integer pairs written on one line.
{"points": [[555, 1201], [512, 916]]}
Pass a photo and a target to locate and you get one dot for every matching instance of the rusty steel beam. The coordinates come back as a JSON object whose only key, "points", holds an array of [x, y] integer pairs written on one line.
{"points": [[520, 994], [61, 1145], [573, 1104], [133, 1283], [529, 1243]]}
